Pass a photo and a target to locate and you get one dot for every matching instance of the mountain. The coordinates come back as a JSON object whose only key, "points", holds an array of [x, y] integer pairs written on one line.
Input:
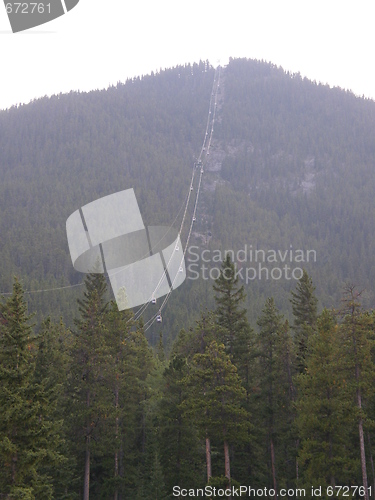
{"points": [[289, 175]]}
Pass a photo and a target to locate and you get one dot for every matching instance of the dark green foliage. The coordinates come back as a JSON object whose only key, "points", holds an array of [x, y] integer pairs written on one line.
{"points": [[304, 306], [29, 430], [275, 395], [216, 397], [229, 298], [234, 328], [358, 342], [325, 410], [179, 444], [304, 303], [101, 397], [160, 349], [53, 362], [109, 409], [91, 398]]}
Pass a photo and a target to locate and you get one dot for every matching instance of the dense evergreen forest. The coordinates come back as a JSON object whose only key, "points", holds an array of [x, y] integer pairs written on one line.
{"points": [[291, 166], [264, 382], [94, 412]]}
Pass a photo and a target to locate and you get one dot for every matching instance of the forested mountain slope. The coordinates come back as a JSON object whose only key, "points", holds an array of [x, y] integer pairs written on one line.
{"points": [[291, 166]]}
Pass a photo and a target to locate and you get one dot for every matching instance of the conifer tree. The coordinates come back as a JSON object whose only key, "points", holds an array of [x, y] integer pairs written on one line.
{"points": [[285, 395], [357, 339], [29, 439], [196, 341], [239, 339], [271, 375], [128, 364], [235, 331], [179, 445], [216, 398], [229, 297], [92, 398], [53, 362], [304, 306], [324, 410]]}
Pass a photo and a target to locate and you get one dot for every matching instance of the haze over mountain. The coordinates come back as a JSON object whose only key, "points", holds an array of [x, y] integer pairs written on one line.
{"points": [[290, 168]]}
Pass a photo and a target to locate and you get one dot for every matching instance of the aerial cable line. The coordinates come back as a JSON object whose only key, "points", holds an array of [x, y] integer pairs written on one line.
{"points": [[152, 320], [46, 289], [164, 303], [143, 308]]}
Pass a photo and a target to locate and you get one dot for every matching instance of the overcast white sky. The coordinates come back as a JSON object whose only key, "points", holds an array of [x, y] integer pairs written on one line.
{"points": [[100, 42]]}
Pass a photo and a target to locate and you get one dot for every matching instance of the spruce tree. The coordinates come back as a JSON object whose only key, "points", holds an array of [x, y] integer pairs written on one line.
{"points": [[272, 375], [286, 395], [235, 331], [304, 306], [179, 444], [29, 438], [128, 364], [357, 338], [91, 398], [324, 410], [239, 339], [216, 399], [194, 342], [53, 362]]}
